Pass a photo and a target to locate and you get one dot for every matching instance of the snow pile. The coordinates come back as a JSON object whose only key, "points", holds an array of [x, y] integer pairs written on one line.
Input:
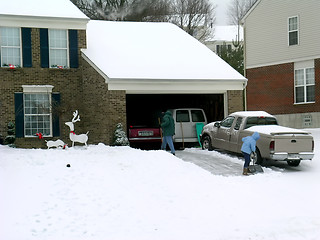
{"points": [[121, 193]]}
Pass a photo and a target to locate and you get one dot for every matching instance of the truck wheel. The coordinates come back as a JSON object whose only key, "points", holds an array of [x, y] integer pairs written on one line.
{"points": [[259, 159], [293, 163], [206, 143]]}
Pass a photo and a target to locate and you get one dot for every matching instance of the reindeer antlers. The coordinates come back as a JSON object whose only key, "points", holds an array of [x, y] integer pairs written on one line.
{"points": [[74, 117]]}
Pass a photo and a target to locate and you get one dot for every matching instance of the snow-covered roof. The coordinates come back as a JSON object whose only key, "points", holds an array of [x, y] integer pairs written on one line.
{"points": [[145, 50], [227, 33], [41, 8], [41, 14]]}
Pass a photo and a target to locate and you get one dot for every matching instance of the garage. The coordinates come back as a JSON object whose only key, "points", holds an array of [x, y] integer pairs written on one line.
{"points": [[158, 66], [144, 109]]}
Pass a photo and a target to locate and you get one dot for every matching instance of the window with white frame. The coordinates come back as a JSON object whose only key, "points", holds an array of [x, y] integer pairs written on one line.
{"points": [[304, 85], [293, 28], [37, 110], [10, 47], [224, 47], [58, 48]]}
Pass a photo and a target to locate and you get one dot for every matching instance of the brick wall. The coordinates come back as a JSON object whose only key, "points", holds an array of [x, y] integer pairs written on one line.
{"points": [[271, 89], [68, 82], [103, 109], [235, 101]]}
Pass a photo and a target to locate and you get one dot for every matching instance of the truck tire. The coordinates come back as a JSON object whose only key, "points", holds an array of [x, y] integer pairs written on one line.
{"points": [[259, 159], [293, 163], [206, 143]]}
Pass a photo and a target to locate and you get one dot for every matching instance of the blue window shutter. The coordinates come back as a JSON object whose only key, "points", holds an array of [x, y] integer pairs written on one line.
{"points": [[18, 102], [73, 48], [26, 47], [55, 114], [44, 47]]}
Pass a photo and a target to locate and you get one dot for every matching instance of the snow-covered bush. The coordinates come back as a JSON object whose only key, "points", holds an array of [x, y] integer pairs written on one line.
{"points": [[120, 137], [10, 139]]}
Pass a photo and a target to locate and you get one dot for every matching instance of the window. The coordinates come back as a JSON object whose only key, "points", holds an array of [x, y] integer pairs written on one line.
{"points": [[227, 122], [254, 121], [238, 123], [37, 110], [197, 116], [182, 116], [58, 48], [304, 85], [293, 27], [224, 47], [37, 114], [10, 44]]}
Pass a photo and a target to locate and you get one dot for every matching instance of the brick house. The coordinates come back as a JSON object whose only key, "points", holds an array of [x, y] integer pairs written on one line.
{"points": [[284, 74], [51, 66]]}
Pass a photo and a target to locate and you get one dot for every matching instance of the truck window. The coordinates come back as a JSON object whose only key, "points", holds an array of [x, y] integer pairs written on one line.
{"points": [[227, 122], [254, 121], [197, 116], [182, 116], [238, 123]]}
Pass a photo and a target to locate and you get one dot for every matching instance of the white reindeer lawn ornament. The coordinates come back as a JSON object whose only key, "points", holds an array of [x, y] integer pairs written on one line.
{"points": [[57, 143], [82, 138]]}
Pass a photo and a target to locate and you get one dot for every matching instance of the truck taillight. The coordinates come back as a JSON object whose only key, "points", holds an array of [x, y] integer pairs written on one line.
{"points": [[271, 146]]}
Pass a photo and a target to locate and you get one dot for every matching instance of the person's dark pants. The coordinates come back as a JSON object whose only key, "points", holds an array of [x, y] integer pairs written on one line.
{"points": [[246, 159]]}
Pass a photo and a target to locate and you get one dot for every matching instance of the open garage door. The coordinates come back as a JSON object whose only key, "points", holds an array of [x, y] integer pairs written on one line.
{"points": [[144, 109]]}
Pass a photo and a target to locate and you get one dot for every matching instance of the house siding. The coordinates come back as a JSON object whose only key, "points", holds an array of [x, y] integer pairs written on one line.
{"points": [[67, 82], [266, 33]]}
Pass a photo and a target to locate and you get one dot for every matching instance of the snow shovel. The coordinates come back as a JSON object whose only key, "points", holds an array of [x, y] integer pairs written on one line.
{"points": [[182, 135], [254, 168], [199, 127], [160, 129]]}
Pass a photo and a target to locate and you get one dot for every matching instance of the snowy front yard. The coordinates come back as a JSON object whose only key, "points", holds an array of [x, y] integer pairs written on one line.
{"points": [[120, 193]]}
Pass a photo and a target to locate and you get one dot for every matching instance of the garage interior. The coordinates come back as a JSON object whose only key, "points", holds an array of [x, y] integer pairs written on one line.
{"points": [[145, 109]]}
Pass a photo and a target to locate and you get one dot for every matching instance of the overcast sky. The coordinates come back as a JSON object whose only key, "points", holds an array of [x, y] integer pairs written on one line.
{"points": [[221, 11]]}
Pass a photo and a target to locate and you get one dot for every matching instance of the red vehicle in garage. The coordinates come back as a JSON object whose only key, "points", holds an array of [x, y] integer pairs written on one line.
{"points": [[186, 121]]}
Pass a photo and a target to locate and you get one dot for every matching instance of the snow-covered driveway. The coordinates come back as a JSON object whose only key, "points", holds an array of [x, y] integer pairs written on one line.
{"points": [[228, 164], [214, 162]]}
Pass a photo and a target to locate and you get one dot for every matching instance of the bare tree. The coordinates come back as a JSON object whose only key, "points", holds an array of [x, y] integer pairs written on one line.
{"points": [[124, 10], [238, 9], [196, 17]]}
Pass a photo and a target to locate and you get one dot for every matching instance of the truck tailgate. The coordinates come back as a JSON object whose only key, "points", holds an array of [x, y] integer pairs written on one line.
{"points": [[293, 143]]}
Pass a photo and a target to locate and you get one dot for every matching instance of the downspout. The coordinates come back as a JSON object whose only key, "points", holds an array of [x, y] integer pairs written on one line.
{"points": [[244, 66]]}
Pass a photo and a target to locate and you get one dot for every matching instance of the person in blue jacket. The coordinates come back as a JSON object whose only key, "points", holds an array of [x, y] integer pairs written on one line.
{"points": [[248, 146], [168, 131]]}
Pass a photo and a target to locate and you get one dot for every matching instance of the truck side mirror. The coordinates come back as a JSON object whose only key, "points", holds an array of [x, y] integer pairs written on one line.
{"points": [[217, 124]]}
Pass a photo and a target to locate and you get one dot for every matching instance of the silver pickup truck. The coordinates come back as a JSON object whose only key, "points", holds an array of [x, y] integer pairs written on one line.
{"points": [[276, 142]]}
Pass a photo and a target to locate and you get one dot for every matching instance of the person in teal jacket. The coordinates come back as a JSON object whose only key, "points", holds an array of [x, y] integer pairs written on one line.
{"points": [[248, 146], [168, 131]]}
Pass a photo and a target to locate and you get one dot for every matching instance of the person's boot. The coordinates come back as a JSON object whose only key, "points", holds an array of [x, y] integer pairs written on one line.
{"points": [[245, 171]]}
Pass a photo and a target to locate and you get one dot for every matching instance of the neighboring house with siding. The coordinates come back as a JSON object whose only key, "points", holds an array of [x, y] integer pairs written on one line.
{"points": [[282, 60], [55, 61]]}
